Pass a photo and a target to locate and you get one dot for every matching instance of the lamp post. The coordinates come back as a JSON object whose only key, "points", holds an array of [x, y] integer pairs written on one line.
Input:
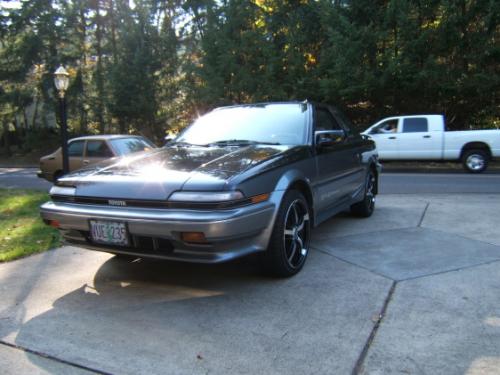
{"points": [[61, 80]]}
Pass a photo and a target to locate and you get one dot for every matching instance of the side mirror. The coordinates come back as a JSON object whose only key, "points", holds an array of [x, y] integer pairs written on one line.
{"points": [[325, 138], [167, 139]]}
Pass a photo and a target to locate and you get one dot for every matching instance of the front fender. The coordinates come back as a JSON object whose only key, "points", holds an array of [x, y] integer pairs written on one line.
{"points": [[290, 177]]}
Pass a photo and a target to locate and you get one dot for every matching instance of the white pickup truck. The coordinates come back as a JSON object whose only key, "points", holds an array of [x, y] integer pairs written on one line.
{"points": [[424, 137]]}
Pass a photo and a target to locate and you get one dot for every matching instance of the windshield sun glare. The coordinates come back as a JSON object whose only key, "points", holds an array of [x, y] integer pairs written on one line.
{"points": [[275, 124]]}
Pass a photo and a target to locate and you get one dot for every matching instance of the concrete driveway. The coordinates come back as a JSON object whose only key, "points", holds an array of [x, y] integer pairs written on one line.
{"points": [[414, 289]]}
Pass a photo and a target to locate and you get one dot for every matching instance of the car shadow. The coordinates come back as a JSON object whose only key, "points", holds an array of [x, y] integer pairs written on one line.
{"points": [[164, 272], [91, 315]]}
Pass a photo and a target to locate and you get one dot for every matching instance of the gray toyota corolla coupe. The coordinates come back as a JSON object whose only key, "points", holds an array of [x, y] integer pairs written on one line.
{"points": [[242, 179]]}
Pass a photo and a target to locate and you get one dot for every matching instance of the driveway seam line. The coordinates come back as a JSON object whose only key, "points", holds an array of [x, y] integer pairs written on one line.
{"points": [[423, 215], [462, 236], [352, 264], [361, 233], [358, 367], [453, 270], [53, 358]]}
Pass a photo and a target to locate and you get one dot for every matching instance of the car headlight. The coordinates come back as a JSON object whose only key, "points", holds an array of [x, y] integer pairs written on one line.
{"points": [[206, 197], [62, 190], [227, 199]]}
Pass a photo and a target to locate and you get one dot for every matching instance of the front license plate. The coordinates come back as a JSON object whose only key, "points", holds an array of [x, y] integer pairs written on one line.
{"points": [[109, 232]]}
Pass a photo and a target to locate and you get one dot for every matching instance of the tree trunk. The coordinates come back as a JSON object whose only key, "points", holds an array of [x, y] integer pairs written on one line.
{"points": [[122, 126], [113, 30], [99, 79], [25, 117], [83, 59], [35, 113], [6, 140]]}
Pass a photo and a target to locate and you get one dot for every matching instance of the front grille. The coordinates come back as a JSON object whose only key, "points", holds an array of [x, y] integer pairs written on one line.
{"points": [[152, 244], [105, 201], [138, 244], [145, 203]]}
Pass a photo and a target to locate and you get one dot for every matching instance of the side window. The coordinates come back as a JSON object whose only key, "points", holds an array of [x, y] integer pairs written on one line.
{"points": [[389, 126], [325, 120], [415, 125], [75, 148], [124, 146], [98, 149]]}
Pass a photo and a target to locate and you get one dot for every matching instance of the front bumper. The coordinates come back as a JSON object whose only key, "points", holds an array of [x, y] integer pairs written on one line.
{"points": [[45, 175], [230, 233]]}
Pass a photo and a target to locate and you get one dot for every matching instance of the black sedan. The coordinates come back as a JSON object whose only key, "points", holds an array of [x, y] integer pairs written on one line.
{"points": [[241, 179]]}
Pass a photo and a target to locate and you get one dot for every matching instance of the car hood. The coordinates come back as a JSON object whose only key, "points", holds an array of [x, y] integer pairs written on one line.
{"points": [[156, 174]]}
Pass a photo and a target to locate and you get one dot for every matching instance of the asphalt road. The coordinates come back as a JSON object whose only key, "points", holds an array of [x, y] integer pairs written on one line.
{"points": [[390, 182], [22, 178], [445, 183]]}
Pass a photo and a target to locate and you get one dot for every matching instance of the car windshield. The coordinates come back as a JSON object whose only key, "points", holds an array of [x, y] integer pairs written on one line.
{"points": [[266, 123], [125, 146]]}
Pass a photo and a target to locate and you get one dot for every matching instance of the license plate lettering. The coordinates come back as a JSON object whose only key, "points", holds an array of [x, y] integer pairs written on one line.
{"points": [[109, 232]]}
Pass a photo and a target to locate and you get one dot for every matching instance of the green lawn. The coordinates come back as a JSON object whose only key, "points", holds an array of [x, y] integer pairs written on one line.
{"points": [[22, 231]]}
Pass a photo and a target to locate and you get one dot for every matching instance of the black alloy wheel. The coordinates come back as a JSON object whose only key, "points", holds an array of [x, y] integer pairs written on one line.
{"points": [[366, 207], [289, 243], [296, 233]]}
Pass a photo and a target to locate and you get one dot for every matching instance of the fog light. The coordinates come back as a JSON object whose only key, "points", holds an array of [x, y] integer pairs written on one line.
{"points": [[54, 223], [193, 237]]}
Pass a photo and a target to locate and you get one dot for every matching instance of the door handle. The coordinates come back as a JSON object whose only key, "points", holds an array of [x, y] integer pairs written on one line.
{"points": [[426, 136], [392, 138], [86, 162]]}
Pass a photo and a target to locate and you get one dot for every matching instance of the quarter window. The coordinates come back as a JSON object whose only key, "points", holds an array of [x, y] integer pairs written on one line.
{"points": [[325, 120], [415, 125], [75, 148], [98, 149]]}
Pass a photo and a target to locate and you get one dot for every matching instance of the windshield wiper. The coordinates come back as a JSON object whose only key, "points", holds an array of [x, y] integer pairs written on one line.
{"points": [[184, 144], [240, 142]]}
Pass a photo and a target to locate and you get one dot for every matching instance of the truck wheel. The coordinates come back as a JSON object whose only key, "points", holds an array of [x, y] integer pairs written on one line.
{"points": [[475, 161], [289, 243], [366, 207]]}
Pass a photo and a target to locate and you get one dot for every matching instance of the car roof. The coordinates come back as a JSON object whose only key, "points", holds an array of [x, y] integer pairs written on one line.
{"points": [[257, 104], [262, 104], [105, 137]]}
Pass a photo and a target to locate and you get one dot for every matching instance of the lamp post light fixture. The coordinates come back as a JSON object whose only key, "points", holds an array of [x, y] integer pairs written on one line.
{"points": [[61, 80]]}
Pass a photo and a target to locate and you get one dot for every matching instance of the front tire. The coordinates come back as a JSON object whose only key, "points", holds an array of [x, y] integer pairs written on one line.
{"points": [[289, 244], [366, 207], [475, 161]]}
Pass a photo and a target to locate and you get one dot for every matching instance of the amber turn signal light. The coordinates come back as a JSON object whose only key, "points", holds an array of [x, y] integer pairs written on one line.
{"points": [[259, 198], [54, 223], [193, 237]]}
